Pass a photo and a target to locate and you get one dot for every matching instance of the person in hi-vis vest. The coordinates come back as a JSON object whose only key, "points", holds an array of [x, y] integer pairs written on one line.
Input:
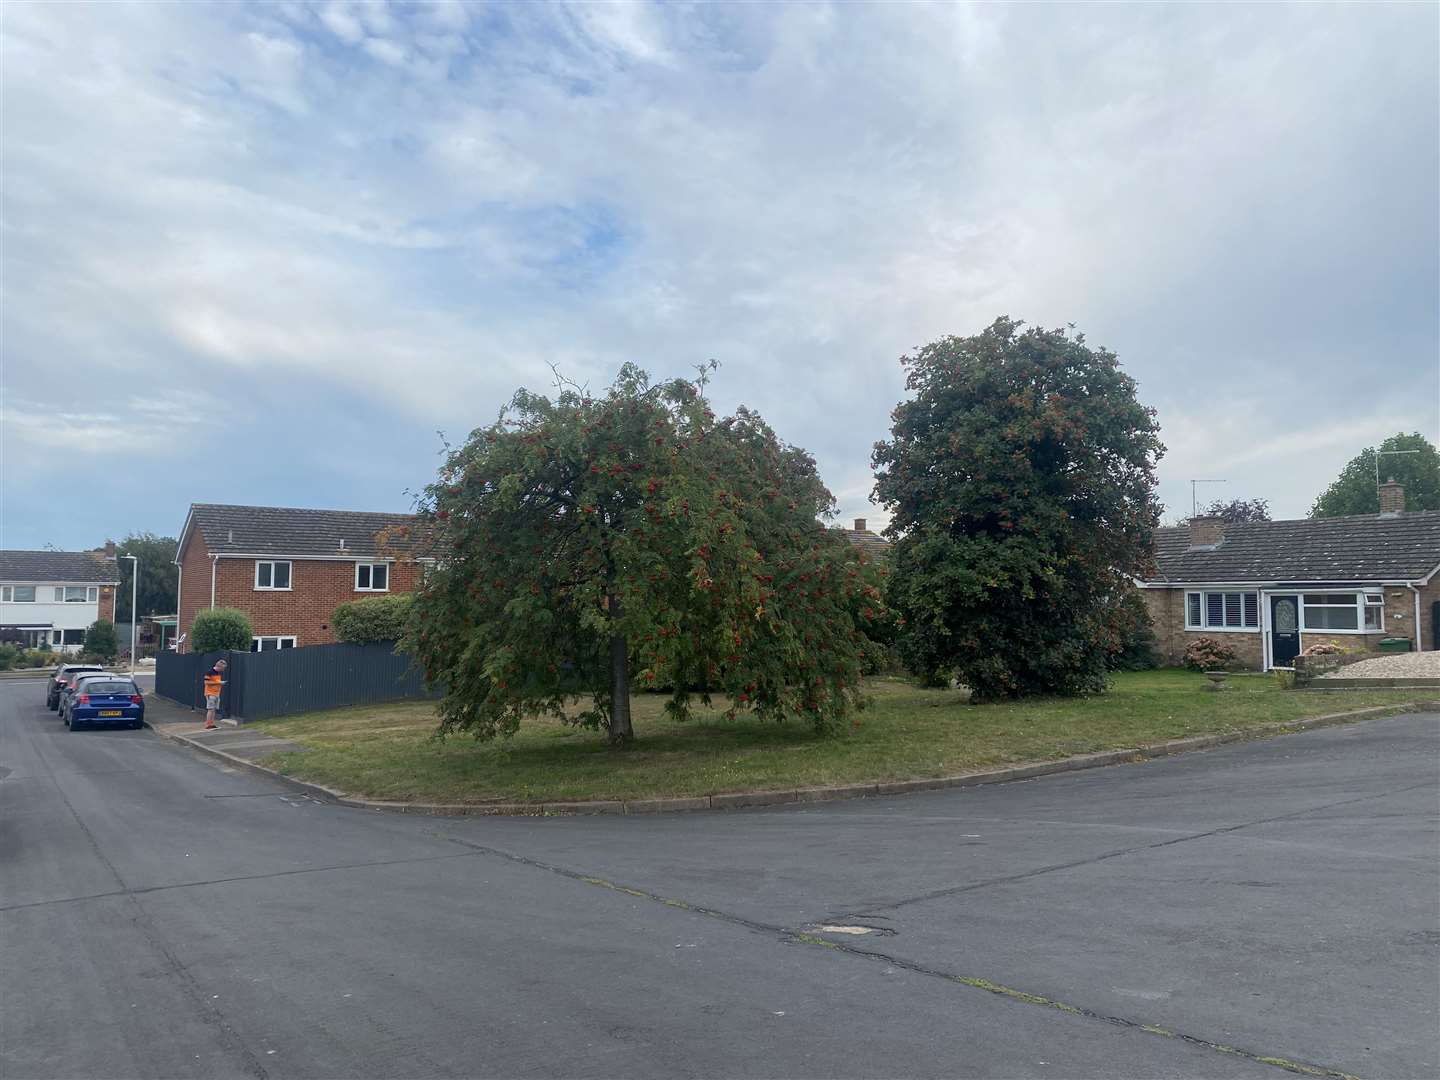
{"points": [[214, 682]]}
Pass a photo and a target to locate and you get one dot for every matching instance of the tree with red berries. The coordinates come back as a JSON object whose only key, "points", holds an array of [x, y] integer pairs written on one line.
{"points": [[588, 542]]}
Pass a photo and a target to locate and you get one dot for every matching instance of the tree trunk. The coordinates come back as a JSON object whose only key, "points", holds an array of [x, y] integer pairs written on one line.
{"points": [[620, 730]]}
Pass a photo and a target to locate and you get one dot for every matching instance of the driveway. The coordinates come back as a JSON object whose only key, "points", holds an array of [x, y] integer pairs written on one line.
{"points": [[1222, 914]]}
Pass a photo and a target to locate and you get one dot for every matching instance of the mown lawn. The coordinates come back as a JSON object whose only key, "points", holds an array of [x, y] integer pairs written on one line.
{"points": [[386, 752]]}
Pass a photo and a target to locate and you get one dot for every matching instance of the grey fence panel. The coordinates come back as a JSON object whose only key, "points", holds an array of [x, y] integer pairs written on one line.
{"points": [[286, 681], [180, 677]]}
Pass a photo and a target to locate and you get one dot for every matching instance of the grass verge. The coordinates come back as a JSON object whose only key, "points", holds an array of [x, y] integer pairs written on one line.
{"points": [[386, 752]]}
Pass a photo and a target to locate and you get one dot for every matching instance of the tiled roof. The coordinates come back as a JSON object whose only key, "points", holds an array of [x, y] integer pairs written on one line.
{"points": [[1405, 547], [867, 540], [88, 567], [283, 530]]}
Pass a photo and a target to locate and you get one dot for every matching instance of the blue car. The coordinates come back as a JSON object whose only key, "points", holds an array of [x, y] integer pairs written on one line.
{"points": [[103, 699]]}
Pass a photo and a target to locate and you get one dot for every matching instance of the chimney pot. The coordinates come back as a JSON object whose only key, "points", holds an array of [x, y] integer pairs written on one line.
{"points": [[859, 524], [110, 550], [1206, 530], [1392, 497]]}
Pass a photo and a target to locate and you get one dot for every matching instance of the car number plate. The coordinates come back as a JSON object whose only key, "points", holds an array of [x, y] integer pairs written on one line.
{"points": [[109, 712]]}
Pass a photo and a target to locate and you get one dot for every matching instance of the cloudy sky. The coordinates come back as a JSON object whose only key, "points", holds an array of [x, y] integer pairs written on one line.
{"points": [[264, 253]]}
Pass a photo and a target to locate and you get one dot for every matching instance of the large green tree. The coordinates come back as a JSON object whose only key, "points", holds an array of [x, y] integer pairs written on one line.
{"points": [[1020, 476], [1354, 492], [587, 542], [158, 575]]}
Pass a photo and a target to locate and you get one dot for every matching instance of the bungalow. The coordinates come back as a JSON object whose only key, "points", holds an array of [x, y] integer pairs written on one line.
{"points": [[289, 568], [1272, 589]]}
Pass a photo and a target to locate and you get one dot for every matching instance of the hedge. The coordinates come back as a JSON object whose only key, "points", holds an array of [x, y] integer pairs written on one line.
{"points": [[375, 619]]}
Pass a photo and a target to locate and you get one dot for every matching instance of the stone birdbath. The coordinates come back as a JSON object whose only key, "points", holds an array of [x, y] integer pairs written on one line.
{"points": [[1217, 679]]}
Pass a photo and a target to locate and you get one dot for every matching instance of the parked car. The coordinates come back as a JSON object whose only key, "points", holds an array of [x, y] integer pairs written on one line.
{"points": [[60, 677], [103, 699]]}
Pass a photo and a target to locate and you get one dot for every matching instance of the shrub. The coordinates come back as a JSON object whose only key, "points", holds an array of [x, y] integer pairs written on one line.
{"points": [[1209, 654], [377, 618], [1133, 646], [221, 628], [9, 655], [101, 640]]}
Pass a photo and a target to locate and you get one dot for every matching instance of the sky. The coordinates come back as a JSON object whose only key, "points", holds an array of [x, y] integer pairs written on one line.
{"points": [[270, 253]]}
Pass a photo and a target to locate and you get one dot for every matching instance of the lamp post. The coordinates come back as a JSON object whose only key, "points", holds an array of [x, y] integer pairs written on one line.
{"points": [[134, 592]]}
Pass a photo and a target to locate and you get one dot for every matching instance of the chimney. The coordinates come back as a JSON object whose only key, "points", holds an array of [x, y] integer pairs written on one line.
{"points": [[110, 546], [1206, 530], [859, 524], [1392, 498]]}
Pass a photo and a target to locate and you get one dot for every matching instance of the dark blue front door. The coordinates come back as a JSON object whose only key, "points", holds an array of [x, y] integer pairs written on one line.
{"points": [[1284, 630]]}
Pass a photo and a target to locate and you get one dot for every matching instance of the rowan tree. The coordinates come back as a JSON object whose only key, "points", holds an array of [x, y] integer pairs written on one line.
{"points": [[588, 542], [1020, 477]]}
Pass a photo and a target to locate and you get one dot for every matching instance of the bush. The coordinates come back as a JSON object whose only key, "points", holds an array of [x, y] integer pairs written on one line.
{"points": [[1209, 654], [221, 628], [101, 640], [1133, 645], [9, 655], [377, 618]]}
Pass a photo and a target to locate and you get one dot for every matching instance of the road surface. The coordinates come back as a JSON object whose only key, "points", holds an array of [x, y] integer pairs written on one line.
{"points": [[1218, 914]]}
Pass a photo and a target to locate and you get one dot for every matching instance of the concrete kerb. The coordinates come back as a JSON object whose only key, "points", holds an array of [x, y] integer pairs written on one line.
{"points": [[745, 799]]}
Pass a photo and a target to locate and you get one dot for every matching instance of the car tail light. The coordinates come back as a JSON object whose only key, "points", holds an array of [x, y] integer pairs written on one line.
{"points": [[83, 699], [136, 699]]}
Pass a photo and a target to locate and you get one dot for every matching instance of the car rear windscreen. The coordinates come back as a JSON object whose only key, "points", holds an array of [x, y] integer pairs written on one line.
{"points": [[106, 686]]}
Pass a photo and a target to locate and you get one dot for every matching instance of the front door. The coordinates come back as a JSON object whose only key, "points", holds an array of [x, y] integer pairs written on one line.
{"points": [[1284, 630]]}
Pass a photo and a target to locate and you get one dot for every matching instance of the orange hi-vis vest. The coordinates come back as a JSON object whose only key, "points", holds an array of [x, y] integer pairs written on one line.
{"points": [[212, 684]]}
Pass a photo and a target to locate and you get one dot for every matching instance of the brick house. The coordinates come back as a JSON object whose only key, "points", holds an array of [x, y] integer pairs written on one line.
{"points": [[287, 569], [52, 597], [872, 543], [1272, 589]]}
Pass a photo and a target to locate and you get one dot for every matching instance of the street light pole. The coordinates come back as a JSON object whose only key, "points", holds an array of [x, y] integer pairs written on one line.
{"points": [[134, 593]]}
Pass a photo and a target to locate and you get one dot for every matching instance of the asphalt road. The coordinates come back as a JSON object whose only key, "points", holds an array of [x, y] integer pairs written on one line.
{"points": [[161, 916]]}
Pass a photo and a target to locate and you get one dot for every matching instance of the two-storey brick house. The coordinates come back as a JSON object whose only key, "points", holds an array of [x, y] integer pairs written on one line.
{"points": [[288, 568], [1271, 589]]}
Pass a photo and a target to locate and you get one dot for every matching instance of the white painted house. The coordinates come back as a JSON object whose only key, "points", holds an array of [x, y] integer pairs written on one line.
{"points": [[53, 597]]}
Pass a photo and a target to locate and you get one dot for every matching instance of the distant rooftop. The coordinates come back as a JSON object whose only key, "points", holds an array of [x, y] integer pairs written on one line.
{"points": [[87, 567]]}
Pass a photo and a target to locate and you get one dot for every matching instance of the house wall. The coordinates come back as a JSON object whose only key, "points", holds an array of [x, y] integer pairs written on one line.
{"points": [[61, 616], [317, 586], [194, 585], [1167, 612]]}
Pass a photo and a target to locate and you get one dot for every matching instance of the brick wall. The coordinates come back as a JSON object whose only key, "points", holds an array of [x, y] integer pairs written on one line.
{"points": [[194, 585], [1167, 612], [317, 586]]}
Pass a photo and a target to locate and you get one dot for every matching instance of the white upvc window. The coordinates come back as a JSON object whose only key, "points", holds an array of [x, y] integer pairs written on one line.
{"points": [[76, 594], [1343, 612], [17, 594], [271, 642], [1222, 611], [272, 576], [372, 577]]}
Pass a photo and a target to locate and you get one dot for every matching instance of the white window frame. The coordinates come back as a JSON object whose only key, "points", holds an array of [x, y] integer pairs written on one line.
{"points": [[370, 566], [1357, 604], [276, 638], [1224, 594], [92, 594], [10, 594], [62, 594], [1373, 599], [272, 563], [57, 637]]}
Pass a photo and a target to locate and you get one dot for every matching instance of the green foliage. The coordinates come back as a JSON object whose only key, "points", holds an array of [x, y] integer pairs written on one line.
{"points": [[101, 639], [1020, 478], [221, 628], [1209, 654], [374, 619], [9, 655], [159, 576], [588, 536], [1134, 646], [1353, 491], [1239, 511]]}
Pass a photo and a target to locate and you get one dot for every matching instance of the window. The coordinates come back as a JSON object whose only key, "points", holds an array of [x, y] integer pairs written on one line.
{"points": [[74, 594], [74, 637], [1374, 611], [268, 644], [1344, 612], [57, 637], [18, 594], [1222, 611], [372, 577], [272, 575]]}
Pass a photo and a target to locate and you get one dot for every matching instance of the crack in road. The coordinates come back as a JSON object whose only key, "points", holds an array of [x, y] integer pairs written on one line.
{"points": [[800, 937]]}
